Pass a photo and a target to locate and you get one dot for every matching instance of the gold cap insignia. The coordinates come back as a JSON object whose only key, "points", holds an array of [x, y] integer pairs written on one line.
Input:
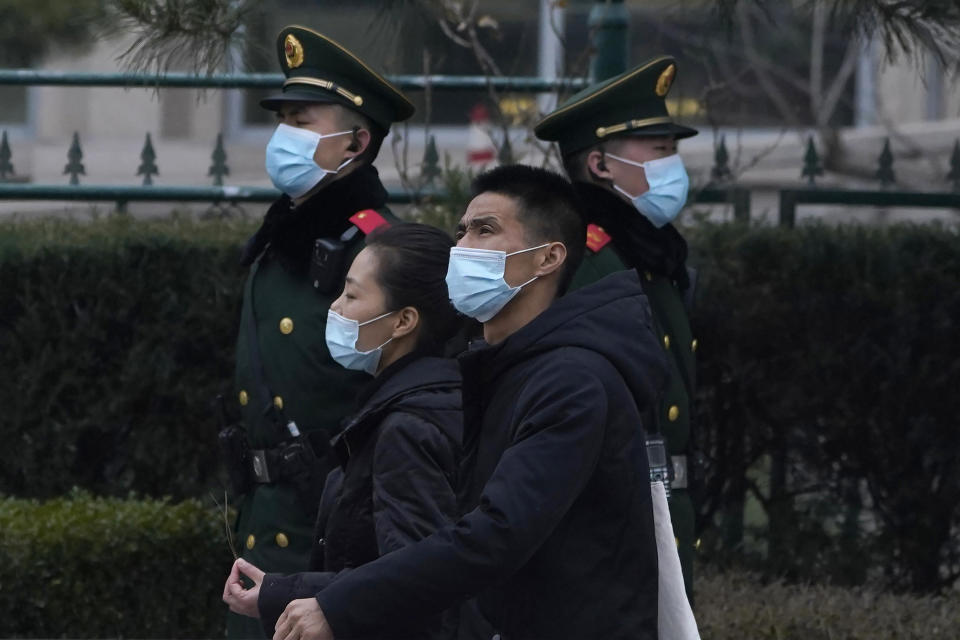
{"points": [[665, 80], [293, 51]]}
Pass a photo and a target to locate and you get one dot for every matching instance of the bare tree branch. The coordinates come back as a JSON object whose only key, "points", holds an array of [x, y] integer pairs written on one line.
{"points": [[829, 103], [907, 27], [773, 92], [817, 38]]}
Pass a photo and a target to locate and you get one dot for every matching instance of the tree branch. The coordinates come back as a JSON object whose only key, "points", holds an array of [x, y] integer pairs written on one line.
{"points": [[779, 100]]}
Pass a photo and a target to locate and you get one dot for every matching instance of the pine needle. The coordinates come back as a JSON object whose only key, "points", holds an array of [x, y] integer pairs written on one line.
{"points": [[193, 35], [228, 530]]}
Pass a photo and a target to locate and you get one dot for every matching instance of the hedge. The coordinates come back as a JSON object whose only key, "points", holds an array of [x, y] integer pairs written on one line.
{"points": [[737, 605], [116, 335], [827, 374], [830, 356], [85, 567]]}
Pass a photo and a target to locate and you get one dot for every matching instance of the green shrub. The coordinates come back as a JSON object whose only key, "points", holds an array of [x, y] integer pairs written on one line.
{"points": [[831, 356], [737, 605], [828, 357], [84, 567], [115, 335]]}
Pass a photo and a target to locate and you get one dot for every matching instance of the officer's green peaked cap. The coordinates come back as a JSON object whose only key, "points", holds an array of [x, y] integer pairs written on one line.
{"points": [[318, 69], [632, 103]]}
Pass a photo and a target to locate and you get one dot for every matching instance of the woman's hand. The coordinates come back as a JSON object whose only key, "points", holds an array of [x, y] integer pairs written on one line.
{"points": [[239, 599]]}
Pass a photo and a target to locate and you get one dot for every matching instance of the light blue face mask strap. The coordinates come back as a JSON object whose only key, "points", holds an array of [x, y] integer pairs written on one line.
{"points": [[521, 286], [624, 160], [363, 353], [389, 340], [332, 135], [624, 192], [360, 324], [545, 244], [382, 315]]}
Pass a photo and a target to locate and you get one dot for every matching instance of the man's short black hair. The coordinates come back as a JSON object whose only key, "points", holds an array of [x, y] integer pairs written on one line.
{"points": [[548, 209]]}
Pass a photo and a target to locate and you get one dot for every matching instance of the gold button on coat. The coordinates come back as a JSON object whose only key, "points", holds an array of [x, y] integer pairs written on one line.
{"points": [[282, 540], [693, 345], [286, 326], [673, 413], [278, 402], [648, 275], [244, 398], [251, 541], [666, 341]]}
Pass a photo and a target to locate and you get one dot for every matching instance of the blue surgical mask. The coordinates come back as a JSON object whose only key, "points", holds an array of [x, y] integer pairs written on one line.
{"points": [[342, 334], [475, 281], [290, 163], [669, 184]]}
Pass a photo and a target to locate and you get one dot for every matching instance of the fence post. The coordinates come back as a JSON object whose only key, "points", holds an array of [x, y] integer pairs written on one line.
{"points": [[219, 167], [609, 23], [75, 160], [430, 167], [6, 167], [741, 204], [954, 175], [788, 209], [885, 166], [811, 163], [148, 166], [721, 162]]}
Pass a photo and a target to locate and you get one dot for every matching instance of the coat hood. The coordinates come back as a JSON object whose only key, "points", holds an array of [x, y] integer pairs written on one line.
{"points": [[611, 317]]}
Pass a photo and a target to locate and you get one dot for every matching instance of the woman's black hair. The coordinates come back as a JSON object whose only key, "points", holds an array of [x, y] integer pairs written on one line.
{"points": [[412, 264]]}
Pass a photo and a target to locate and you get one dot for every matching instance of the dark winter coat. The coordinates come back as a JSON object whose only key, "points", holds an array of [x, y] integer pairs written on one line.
{"points": [[560, 540], [274, 525], [660, 258], [395, 485]]}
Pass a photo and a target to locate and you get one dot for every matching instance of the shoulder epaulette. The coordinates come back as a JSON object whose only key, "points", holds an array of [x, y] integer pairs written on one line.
{"points": [[597, 238], [368, 220]]}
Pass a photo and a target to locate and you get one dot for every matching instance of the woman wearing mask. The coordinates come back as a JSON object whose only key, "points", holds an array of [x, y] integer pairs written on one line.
{"points": [[399, 452]]}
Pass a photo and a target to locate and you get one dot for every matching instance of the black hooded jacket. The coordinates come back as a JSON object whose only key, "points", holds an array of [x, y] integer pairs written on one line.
{"points": [[559, 538], [399, 457]]}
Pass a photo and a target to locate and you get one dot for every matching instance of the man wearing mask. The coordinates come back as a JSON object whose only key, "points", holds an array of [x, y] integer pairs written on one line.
{"points": [[619, 147], [333, 114], [558, 538]]}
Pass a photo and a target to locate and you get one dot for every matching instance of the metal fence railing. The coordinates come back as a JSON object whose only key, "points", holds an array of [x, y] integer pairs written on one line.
{"points": [[721, 190]]}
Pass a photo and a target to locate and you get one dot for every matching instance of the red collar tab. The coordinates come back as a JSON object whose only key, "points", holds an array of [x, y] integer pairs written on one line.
{"points": [[368, 220], [597, 238]]}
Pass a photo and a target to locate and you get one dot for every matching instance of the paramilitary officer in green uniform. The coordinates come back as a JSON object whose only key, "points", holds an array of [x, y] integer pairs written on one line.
{"points": [[619, 147], [333, 114]]}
